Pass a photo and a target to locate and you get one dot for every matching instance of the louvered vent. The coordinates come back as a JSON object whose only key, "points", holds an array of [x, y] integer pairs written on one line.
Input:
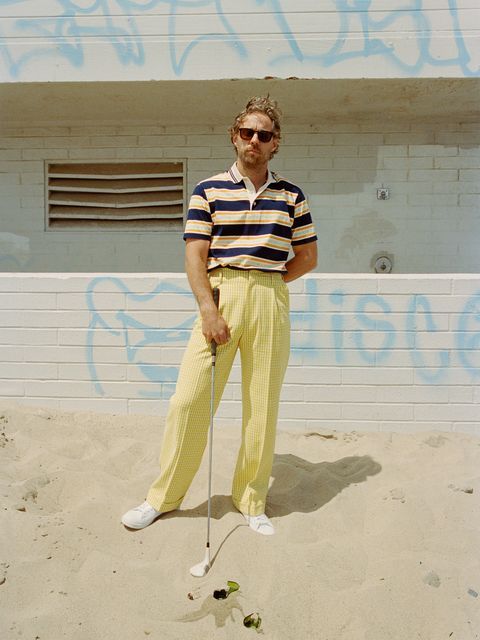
{"points": [[115, 195]]}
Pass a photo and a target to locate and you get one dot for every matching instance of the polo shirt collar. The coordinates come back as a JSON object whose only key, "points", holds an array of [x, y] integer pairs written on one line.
{"points": [[237, 176]]}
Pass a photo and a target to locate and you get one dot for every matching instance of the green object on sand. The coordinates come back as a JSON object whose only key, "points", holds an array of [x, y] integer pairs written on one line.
{"points": [[221, 594], [252, 620], [232, 586]]}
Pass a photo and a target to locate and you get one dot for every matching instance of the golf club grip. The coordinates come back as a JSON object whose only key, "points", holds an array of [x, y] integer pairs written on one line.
{"points": [[216, 299]]}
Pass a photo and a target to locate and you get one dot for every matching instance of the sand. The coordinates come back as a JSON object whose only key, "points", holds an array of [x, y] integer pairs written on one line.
{"points": [[377, 536]]}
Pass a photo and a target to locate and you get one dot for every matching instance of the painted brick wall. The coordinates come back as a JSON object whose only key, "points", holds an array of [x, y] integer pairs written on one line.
{"points": [[52, 40], [368, 352], [430, 224]]}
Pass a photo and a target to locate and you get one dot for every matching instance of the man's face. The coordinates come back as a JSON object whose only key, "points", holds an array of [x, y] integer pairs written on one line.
{"points": [[253, 153]]}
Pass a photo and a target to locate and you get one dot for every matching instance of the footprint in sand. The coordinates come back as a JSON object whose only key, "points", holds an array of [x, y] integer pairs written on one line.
{"points": [[467, 489], [4, 440], [436, 441], [396, 494], [432, 579], [352, 436], [3, 572], [32, 486]]}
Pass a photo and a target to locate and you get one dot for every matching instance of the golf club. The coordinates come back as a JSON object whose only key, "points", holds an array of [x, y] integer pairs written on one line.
{"points": [[201, 569]]}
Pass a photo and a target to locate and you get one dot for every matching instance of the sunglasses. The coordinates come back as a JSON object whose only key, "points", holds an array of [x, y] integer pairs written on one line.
{"points": [[263, 136]]}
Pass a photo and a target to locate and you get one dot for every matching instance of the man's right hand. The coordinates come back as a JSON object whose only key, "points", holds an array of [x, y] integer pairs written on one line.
{"points": [[215, 328]]}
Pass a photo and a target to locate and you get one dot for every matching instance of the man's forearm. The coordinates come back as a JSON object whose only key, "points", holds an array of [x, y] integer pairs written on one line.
{"points": [[301, 263], [200, 285], [214, 326]]}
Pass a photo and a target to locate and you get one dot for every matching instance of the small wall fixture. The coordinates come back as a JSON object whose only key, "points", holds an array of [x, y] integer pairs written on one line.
{"points": [[383, 264], [383, 193]]}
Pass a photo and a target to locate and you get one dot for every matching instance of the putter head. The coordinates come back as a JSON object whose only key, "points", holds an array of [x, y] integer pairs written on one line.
{"points": [[201, 569]]}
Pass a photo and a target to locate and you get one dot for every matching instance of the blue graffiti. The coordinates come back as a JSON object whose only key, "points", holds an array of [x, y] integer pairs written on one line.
{"points": [[373, 324], [370, 47], [338, 327], [229, 36], [68, 33], [126, 327], [420, 302], [67, 36], [370, 320], [468, 342], [317, 331]]}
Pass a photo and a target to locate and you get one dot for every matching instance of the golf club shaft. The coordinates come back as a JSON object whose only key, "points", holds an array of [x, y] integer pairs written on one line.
{"points": [[213, 349]]}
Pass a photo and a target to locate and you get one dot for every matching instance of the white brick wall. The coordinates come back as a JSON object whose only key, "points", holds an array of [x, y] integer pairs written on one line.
{"points": [[430, 224], [368, 352]]}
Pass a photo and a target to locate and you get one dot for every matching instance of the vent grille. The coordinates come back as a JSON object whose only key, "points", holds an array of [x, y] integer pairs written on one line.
{"points": [[115, 195]]}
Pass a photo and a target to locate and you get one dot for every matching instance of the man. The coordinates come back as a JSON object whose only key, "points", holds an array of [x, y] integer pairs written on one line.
{"points": [[240, 227]]}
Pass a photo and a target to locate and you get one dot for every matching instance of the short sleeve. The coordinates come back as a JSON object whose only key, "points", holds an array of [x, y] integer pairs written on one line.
{"points": [[199, 218], [302, 230]]}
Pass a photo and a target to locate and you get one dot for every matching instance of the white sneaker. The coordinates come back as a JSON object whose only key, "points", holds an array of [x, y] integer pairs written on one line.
{"points": [[140, 517], [260, 524]]}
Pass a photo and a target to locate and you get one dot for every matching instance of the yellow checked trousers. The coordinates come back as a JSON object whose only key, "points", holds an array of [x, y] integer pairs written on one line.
{"points": [[255, 305]]}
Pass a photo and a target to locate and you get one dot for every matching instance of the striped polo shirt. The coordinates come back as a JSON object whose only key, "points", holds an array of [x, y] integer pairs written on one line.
{"points": [[248, 229]]}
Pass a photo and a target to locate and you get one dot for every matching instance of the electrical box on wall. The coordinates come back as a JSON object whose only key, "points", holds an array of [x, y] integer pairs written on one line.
{"points": [[383, 193]]}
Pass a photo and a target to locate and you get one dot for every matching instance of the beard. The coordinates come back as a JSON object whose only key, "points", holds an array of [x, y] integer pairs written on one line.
{"points": [[252, 157]]}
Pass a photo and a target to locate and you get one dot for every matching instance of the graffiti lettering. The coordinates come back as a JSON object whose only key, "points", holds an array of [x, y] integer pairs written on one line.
{"points": [[359, 34], [367, 334]]}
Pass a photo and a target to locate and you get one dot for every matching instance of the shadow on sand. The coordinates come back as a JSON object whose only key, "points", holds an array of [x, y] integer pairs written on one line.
{"points": [[298, 486]]}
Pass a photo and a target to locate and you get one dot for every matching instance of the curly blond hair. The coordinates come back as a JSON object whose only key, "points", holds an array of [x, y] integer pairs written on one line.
{"points": [[259, 104]]}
